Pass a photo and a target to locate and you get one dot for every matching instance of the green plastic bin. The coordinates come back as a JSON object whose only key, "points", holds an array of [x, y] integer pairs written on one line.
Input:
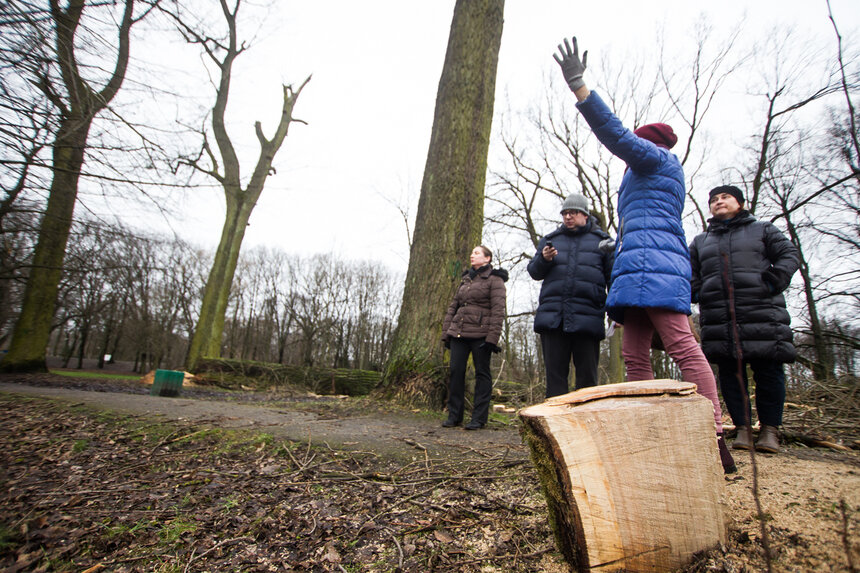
{"points": [[167, 383]]}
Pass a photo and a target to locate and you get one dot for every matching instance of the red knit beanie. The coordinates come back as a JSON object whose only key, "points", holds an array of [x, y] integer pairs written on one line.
{"points": [[660, 134]]}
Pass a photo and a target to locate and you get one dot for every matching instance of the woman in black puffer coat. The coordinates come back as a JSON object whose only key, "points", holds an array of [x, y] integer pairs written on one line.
{"points": [[757, 260], [473, 325]]}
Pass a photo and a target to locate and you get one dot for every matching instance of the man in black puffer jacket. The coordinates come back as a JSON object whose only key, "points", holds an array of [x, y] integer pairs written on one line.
{"points": [[758, 261], [575, 264]]}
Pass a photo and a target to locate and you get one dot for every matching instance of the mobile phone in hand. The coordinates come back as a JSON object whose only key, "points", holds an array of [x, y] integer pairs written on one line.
{"points": [[549, 244]]}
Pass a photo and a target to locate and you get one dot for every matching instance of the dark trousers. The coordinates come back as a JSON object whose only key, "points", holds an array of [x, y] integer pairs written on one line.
{"points": [[558, 347], [460, 350], [769, 379]]}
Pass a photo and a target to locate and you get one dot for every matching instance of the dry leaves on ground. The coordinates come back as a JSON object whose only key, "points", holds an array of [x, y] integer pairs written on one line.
{"points": [[82, 491], [88, 491]]}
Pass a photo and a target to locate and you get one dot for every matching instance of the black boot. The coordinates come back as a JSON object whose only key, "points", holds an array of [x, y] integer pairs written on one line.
{"points": [[726, 458]]}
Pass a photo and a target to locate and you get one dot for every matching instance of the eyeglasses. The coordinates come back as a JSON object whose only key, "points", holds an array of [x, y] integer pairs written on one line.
{"points": [[571, 213]]}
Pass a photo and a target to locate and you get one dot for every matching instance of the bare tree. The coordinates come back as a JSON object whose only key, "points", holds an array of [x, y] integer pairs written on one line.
{"points": [[221, 163], [17, 241], [76, 99], [27, 119], [691, 88], [790, 184], [310, 311], [851, 133]]}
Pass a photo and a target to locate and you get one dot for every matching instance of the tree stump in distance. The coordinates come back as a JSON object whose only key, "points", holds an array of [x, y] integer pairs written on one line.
{"points": [[631, 474]]}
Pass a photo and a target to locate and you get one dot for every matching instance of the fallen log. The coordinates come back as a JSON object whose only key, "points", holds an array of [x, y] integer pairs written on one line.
{"points": [[622, 492]]}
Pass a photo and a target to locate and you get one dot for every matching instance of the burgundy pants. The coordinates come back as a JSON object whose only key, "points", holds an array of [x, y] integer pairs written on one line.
{"points": [[680, 344]]}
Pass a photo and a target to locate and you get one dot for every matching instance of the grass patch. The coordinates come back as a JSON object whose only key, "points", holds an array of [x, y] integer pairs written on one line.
{"points": [[120, 529], [171, 532], [206, 434], [103, 375], [8, 538]]}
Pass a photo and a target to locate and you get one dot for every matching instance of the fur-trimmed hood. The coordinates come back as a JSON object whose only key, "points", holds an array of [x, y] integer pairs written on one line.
{"points": [[487, 271]]}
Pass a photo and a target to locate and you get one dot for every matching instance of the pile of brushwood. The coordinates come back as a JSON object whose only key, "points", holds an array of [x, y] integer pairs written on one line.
{"points": [[248, 374]]}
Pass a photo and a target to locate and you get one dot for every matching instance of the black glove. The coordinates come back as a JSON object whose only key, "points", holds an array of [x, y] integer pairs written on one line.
{"points": [[606, 246], [493, 348], [770, 281], [571, 66], [446, 342]]}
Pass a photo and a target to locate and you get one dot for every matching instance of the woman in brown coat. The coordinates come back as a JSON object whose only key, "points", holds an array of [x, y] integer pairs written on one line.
{"points": [[473, 325]]}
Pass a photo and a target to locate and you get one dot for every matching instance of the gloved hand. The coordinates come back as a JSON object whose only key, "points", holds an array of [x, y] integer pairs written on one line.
{"points": [[446, 342], [493, 348], [771, 281], [606, 245], [571, 66]]}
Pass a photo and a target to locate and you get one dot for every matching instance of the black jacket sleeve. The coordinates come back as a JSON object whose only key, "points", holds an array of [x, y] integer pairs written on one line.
{"points": [[538, 267], [783, 257], [696, 272]]}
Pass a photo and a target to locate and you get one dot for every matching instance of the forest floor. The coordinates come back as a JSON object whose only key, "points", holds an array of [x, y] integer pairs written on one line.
{"points": [[97, 475]]}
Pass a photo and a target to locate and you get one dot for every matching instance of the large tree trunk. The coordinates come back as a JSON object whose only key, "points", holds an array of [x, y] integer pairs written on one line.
{"points": [[210, 326], [631, 474], [449, 220], [616, 360]]}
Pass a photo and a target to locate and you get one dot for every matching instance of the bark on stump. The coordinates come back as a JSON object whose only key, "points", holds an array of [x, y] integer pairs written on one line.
{"points": [[631, 474]]}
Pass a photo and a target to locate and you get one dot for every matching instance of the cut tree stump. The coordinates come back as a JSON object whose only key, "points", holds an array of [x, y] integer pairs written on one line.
{"points": [[631, 474]]}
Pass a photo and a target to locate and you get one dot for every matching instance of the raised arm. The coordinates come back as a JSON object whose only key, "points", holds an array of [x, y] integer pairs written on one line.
{"points": [[639, 153]]}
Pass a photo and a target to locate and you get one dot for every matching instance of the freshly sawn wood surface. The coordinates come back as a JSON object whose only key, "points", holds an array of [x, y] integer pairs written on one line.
{"points": [[624, 492]]}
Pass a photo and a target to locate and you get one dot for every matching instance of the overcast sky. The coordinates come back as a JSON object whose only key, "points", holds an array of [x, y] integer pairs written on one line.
{"points": [[369, 107]]}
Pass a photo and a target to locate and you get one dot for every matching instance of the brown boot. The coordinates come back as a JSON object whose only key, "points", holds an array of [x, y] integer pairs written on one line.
{"points": [[768, 440], [743, 441]]}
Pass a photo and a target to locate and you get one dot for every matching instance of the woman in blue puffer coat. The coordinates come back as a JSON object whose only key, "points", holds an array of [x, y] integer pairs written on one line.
{"points": [[651, 277]]}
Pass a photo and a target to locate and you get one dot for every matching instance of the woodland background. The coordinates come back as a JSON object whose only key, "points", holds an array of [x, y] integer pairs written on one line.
{"points": [[771, 112]]}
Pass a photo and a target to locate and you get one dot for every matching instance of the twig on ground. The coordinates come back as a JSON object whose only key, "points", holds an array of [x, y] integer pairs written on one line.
{"points": [[813, 441], [843, 507], [402, 501], [505, 557], [414, 444], [399, 549], [498, 502]]}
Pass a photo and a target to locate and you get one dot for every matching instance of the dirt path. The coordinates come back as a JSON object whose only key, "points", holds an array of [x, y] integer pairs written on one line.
{"points": [[378, 432]]}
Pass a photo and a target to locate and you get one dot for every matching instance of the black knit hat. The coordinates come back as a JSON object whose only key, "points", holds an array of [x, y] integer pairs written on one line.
{"points": [[730, 189]]}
